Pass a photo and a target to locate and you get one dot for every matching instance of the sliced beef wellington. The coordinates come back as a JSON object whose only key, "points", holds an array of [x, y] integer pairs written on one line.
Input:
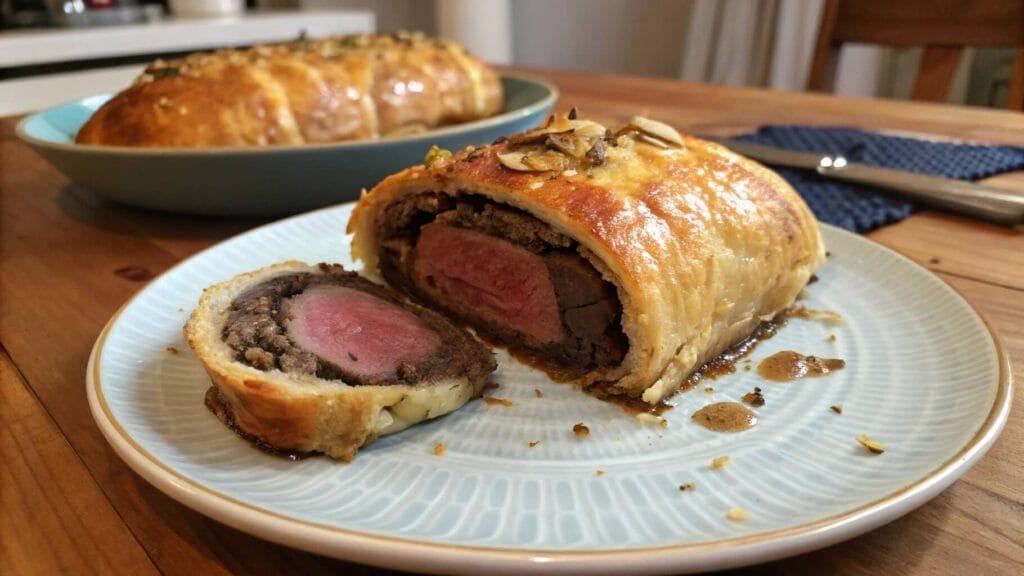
{"points": [[504, 273], [318, 359], [626, 259]]}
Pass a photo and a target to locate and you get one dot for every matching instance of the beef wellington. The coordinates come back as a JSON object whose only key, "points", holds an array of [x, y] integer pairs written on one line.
{"points": [[318, 359]]}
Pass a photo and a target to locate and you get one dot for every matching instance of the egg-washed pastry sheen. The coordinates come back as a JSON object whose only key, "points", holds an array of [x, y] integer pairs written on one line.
{"points": [[302, 92], [318, 359], [623, 259]]}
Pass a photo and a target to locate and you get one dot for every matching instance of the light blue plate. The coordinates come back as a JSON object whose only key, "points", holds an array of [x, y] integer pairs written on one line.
{"points": [[259, 181], [923, 375]]}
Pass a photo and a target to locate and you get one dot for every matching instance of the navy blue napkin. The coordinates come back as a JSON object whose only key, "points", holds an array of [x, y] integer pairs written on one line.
{"points": [[862, 208]]}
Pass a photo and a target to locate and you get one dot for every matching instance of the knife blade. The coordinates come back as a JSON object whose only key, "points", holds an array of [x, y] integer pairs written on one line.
{"points": [[977, 200]]}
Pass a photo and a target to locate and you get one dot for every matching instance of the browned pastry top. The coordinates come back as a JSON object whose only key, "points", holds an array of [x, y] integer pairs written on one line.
{"points": [[700, 243], [307, 91]]}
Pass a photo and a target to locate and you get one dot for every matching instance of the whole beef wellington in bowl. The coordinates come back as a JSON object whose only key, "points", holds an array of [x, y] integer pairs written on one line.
{"points": [[318, 359], [623, 260]]}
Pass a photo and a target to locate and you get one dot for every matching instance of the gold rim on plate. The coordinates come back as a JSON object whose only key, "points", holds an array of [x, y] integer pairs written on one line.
{"points": [[418, 555]]}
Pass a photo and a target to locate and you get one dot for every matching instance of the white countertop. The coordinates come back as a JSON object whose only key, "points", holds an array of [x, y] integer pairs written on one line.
{"points": [[28, 47]]}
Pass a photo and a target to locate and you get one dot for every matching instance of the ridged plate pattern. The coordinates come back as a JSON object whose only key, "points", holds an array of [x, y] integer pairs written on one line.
{"points": [[922, 375]]}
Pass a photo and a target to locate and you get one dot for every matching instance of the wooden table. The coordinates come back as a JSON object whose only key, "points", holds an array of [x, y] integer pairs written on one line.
{"points": [[69, 259]]}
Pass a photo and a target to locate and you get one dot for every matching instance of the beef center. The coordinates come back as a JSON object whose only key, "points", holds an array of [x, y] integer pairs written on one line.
{"points": [[508, 275], [338, 325]]}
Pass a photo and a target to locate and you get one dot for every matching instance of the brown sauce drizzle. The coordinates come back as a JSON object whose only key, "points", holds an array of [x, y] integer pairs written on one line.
{"points": [[220, 409], [722, 365], [492, 401], [725, 417], [633, 406], [827, 316], [725, 363], [788, 365]]}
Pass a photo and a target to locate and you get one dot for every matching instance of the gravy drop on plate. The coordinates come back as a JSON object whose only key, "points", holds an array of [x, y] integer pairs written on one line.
{"points": [[827, 316], [788, 365], [725, 417]]}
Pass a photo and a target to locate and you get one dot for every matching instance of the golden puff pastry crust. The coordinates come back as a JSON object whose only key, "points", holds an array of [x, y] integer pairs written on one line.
{"points": [[302, 92], [701, 244], [302, 413]]}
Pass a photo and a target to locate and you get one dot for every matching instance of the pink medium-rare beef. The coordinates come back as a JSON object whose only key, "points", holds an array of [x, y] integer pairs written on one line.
{"points": [[357, 332], [489, 280], [503, 267], [336, 325], [307, 359]]}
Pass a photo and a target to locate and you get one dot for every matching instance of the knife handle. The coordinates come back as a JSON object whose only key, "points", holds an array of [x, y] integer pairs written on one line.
{"points": [[985, 202]]}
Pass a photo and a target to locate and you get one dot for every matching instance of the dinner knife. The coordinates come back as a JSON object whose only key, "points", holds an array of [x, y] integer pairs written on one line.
{"points": [[984, 202]]}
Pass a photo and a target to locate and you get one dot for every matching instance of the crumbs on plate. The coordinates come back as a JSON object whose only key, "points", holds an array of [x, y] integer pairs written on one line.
{"points": [[874, 446], [719, 463], [646, 418], [755, 398], [737, 514]]}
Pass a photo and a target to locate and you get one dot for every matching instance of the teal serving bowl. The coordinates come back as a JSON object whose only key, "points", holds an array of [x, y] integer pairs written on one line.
{"points": [[259, 181]]}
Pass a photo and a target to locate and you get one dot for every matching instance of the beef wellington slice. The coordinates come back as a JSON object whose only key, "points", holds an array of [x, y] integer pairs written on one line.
{"points": [[310, 359]]}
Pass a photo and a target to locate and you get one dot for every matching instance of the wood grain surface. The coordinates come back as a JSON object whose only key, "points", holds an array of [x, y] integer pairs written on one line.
{"points": [[68, 259]]}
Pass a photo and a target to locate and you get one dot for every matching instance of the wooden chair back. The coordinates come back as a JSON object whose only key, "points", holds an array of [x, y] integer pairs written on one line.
{"points": [[943, 27]]}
